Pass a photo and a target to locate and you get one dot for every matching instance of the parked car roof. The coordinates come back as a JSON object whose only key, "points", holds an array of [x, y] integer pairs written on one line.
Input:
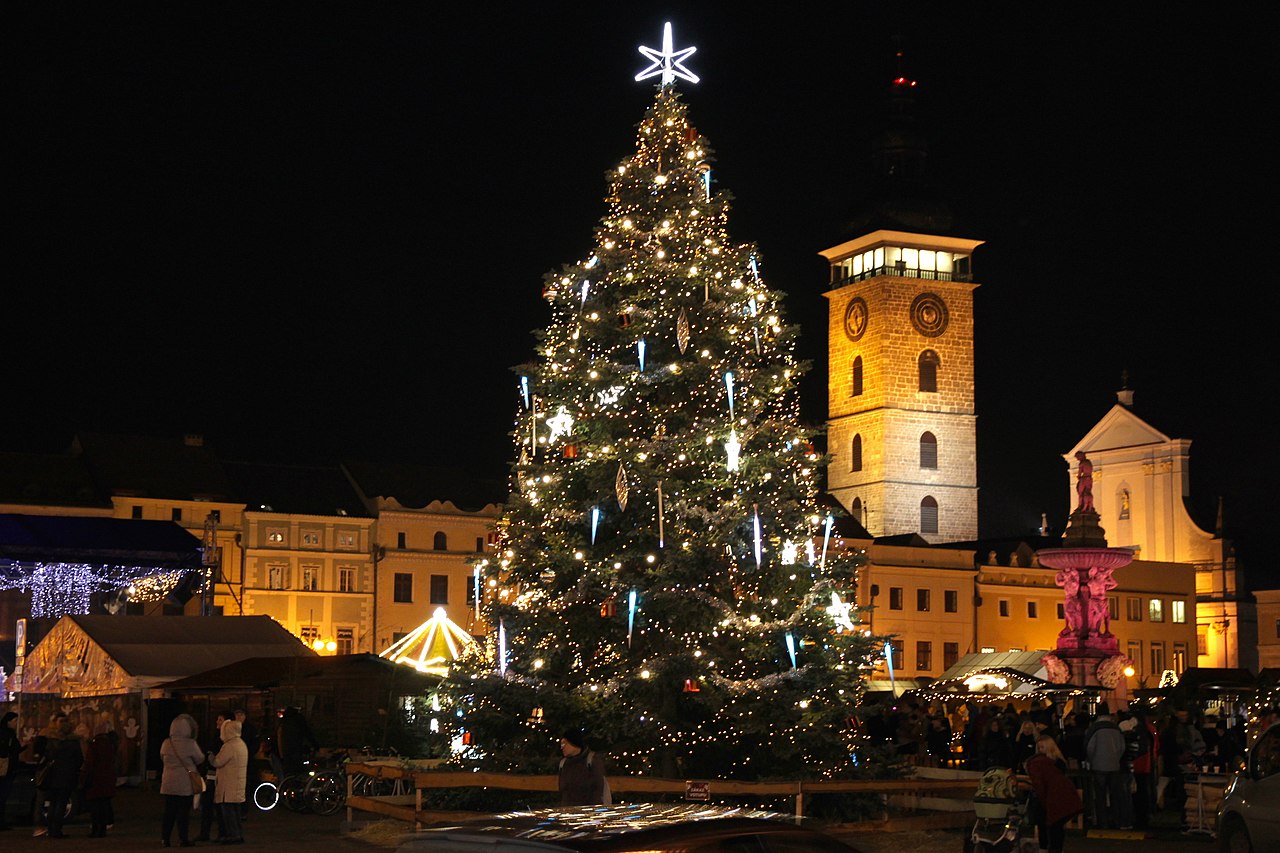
{"points": [[649, 827]]}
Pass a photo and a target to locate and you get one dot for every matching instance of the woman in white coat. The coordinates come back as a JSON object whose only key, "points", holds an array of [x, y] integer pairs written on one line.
{"points": [[232, 762], [180, 754]]}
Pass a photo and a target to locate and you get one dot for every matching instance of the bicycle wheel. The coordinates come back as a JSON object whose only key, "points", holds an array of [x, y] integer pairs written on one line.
{"points": [[266, 795], [327, 793], [292, 791]]}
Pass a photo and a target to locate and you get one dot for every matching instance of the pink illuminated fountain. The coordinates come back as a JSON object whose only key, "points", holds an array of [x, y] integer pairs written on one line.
{"points": [[1087, 654]]}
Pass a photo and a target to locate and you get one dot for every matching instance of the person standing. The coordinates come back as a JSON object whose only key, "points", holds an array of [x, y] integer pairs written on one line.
{"points": [[10, 749], [582, 780], [1104, 747], [99, 776], [232, 762], [1143, 760], [179, 755], [248, 734], [1056, 795], [66, 756], [1024, 743], [209, 811]]}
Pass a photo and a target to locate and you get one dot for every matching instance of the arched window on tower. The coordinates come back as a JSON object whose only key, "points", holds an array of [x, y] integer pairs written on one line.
{"points": [[441, 542], [855, 510], [929, 362], [928, 451], [928, 515], [855, 453], [856, 377]]}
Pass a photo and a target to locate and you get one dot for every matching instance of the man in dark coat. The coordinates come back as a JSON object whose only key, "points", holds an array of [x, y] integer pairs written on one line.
{"points": [[99, 776], [10, 748], [582, 781], [65, 756]]}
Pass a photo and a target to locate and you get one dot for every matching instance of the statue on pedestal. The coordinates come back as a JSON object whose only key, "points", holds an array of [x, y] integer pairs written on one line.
{"points": [[1072, 611], [1100, 583], [1084, 483]]}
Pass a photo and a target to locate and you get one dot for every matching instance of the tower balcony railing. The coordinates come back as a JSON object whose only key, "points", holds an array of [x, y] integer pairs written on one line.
{"points": [[902, 272]]}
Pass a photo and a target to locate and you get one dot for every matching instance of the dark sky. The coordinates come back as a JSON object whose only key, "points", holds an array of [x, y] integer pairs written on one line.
{"points": [[318, 230]]}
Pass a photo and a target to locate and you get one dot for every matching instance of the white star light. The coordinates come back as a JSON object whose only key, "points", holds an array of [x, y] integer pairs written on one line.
{"points": [[669, 63], [839, 611], [561, 424]]}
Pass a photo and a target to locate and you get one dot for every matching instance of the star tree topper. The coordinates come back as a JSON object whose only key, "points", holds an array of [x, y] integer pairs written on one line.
{"points": [[669, 63]]}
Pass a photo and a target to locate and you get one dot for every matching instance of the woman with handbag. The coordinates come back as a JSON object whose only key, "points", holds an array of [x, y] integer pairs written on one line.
{"points": [[180, 781]]}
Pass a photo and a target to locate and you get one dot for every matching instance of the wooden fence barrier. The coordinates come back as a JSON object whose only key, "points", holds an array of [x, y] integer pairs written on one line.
{"points": [[408, 807]]}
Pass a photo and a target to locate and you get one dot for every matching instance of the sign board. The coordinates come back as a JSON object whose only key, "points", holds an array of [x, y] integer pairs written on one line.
{"points": [[699, 792], [20, 642]]}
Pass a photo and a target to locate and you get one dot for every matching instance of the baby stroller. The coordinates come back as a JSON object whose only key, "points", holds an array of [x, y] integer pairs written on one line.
{"points": [[1001, 810]]}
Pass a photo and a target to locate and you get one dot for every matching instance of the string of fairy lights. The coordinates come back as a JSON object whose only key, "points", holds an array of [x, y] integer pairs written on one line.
{"points": [[59, 588], [657, 578]]}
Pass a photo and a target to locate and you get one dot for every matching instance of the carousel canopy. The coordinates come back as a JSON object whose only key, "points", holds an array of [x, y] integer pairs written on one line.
{"points": [[432, 646]]}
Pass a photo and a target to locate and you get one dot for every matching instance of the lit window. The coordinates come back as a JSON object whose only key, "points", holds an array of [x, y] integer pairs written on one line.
{"points": [[346, 640], [311, 538], [309, 634], [1179, 658], [986, 650], [346, 580], [1155, 610], [277, 576], [275, 535], [310, 578], [928, 451], [1178, 611]]}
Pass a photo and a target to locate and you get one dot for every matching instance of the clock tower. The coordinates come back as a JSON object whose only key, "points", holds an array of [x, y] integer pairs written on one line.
{"points": [[901, 423]]}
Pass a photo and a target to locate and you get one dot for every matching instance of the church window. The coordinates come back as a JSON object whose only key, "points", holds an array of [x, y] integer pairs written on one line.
{"points": [[856, 377], [928, 364], [928, 515], [928, 451], [855, 454]]}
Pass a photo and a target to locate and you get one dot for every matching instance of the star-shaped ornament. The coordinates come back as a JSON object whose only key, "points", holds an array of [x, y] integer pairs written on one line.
{"points": [[669, 63], [839, 611], [561, 424]]}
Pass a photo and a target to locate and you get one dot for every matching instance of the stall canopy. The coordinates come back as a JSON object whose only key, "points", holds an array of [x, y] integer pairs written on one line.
{"points": [[102, 655], [997, 676]]}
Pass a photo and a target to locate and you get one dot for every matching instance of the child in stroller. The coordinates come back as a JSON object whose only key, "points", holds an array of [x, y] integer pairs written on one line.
{"points": [[1000, 805]]}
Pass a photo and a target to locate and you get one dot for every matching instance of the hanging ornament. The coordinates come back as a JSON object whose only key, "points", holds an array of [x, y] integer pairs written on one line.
{"points": [[791, 648], [609, 608], [550, 292], [826, 538], [759, 548], [571, 451], [595, 523], [524, 391], [661, 535], [502, 647], [733, 448], [475, 588], [790, 553], [705, 170], [755, 330], [535, 716], [755, 270], [547, 576], [620, 487], [586, 286], [561, 424], [682, 331], [839, 612], [809, 554], [592, 261], [728, 383], [691, 686], [640, 350], [624, 319], [610, 395], [631, 615]]}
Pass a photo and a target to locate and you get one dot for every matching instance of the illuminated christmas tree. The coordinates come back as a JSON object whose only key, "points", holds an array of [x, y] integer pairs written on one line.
{"points": [[665, 577]]}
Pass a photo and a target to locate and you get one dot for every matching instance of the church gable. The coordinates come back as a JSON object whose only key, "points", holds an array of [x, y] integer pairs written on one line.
{"points": [[1119, 428]]}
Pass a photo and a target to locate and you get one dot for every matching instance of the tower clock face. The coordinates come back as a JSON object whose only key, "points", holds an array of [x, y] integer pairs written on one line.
{"points": [[929, 315], [855, 318]]}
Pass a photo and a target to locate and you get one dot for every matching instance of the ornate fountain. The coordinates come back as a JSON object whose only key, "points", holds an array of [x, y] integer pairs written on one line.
{"points": [[1087, 653]]}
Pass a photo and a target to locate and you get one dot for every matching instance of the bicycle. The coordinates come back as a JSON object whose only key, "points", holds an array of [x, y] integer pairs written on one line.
{"points": [[291, 789], [326, 790]]}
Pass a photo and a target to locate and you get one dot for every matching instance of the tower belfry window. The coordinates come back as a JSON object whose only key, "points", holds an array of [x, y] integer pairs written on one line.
{"points": [[928, 451], [928, 364], [855, 454], [856, 377], [928, 515]]}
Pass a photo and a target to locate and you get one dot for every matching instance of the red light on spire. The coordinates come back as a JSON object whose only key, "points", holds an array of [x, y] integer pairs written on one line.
{"points": [[903, 81]]}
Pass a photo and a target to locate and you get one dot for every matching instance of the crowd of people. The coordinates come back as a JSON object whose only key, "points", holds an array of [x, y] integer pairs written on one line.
{"points": [[1127, 764], [74, 770]]}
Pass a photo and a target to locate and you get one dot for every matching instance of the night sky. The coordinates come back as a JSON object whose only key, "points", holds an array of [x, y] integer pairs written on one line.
{"points": [[317, 231]]}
